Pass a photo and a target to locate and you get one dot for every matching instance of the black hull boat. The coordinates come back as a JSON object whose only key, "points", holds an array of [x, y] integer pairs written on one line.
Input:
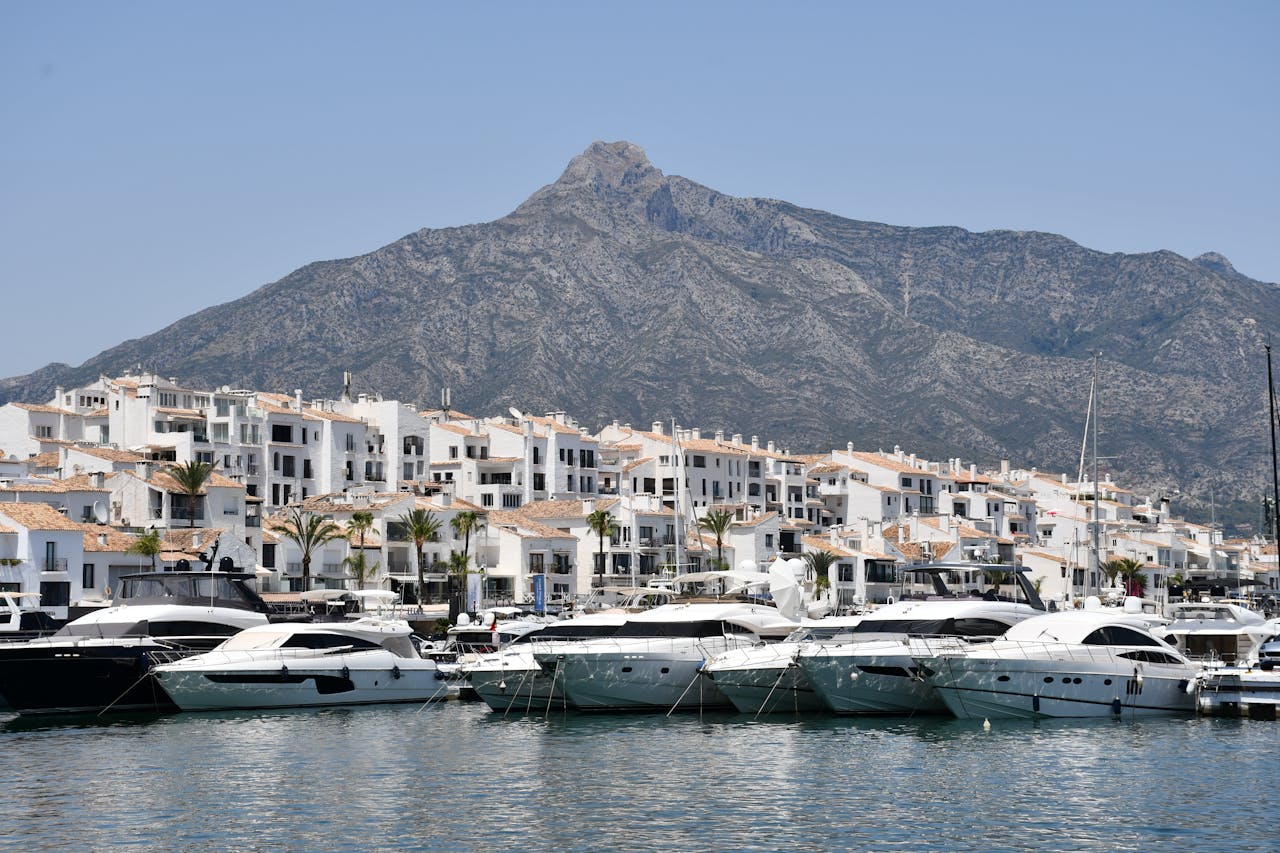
{"points": [[101, 663]]}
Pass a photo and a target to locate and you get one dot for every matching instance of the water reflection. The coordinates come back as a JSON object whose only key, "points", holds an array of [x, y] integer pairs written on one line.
{"points": [[459, 778]]}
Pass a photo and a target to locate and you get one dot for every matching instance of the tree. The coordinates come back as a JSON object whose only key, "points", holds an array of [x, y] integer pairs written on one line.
{"points": [[191, 477], [462, 523], [421, 526], [360, 524], [148, 544], [310, 532], [717, 523], [458, 584], [820, 563], [601, 523], [1130, 570]]}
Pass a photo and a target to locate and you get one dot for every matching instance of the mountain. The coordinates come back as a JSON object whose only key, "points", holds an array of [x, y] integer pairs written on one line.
{"points": [[618, 291]]}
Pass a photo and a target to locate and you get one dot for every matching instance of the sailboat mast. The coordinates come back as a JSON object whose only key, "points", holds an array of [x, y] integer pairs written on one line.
{"points": [[1275, 479], [679, 505], [1097, 522]]}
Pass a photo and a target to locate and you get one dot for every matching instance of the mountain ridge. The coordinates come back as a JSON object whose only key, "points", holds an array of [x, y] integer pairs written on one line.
{"points": [[619, 291]]}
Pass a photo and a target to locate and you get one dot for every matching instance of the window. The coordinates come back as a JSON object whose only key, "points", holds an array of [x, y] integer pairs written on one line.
{"points": [[306, 468], [288, 468], [44, 431], [537, 456], [486, 499], [55, 594], [453, 451], [768, 540], [906, 482], [86, 576], [282, 433], [268, 555], [699, 462]]}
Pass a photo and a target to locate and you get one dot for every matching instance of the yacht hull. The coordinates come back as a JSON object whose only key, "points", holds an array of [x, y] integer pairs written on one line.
{"points": [[859, 680], [764, 680], [637, 676], [365, 678], [1036, 689], [81, 679], [375, 678]]}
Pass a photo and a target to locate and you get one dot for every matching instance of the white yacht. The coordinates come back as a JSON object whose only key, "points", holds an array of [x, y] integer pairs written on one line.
{"points": [[654, 660], [511, 679], [305, 664], [1079, 663], [1221, 631], [98, 663], [766, 679], [874, 673]]}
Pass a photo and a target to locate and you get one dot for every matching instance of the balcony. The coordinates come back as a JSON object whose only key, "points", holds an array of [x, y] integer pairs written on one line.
{"points": [[57, 564]]}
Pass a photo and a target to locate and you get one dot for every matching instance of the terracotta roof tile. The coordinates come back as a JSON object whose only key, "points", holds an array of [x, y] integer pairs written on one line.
{"points": [[37, 516]]}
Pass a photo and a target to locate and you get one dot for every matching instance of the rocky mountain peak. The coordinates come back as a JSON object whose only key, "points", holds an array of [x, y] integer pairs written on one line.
{"points": [[1216, 262], [612, 165]]}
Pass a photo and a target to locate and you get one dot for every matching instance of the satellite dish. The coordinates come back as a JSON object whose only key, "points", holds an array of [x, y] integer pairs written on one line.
{"points": [[516, 413], [99, 512]]}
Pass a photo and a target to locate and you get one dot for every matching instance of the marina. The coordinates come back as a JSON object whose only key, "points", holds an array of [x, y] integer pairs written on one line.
{"points": [[458, 777]]}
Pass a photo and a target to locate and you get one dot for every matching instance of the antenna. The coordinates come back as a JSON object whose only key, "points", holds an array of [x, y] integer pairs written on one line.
{"points": [[99, 512], [516, 413]]}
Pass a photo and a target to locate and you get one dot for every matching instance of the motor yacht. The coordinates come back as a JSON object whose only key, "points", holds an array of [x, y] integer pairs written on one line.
{"points": [[653, 661], [511, 679], [1079, 663], [874, 672], [101, 661], [766, 679], [295, 665], [1219, 631]]}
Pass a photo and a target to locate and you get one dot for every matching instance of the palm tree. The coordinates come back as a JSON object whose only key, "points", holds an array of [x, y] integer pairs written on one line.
{"points": [[1111, 569], [717, 523], [462, 523], [820, 563], [601, 523], [1130, 570], [421, 526], [148, 544], [458, 584], [310, 532], [191, 477], [360, 524]]}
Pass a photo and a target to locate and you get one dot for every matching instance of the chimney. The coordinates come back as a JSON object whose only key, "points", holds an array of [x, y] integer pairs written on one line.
{"points": [[897, 452], [102, 539], [737, 439], [755, 442], [848, 448], [1004, 467], [588, 506], [720, 436], [446, 499], [97, 479], [695, 434], [911, 460], [657, 427], [770, 446], [57, 395], [297, 399], [973, 470]]}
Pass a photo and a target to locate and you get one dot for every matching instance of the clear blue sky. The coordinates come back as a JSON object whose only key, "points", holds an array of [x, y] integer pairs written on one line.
{"points": [[158, 158]]}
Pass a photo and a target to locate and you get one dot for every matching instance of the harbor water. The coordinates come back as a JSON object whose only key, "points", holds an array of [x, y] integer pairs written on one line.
{"points": [[458, 777]]}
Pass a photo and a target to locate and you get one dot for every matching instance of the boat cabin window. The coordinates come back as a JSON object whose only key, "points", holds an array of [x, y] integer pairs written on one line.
{"points": [[1117, 635], [935, 627], [318, 640], [700, 628], [187, 628], [568, 632], [1150, 656]]}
